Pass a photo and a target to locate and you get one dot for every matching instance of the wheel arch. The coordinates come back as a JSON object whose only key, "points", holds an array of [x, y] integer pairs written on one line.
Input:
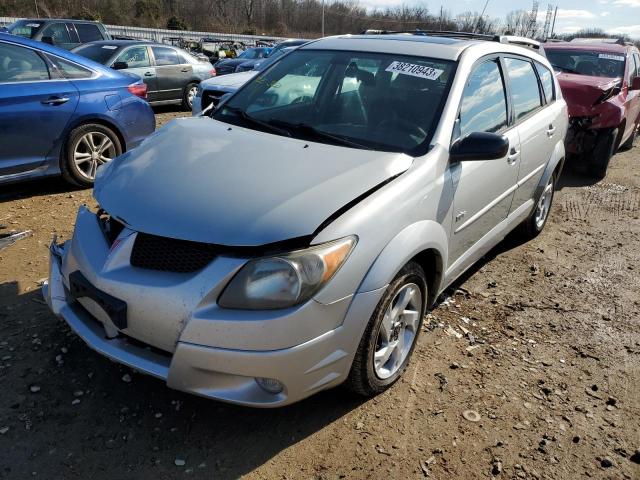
{"points": [[554, 167], [424, 242]]}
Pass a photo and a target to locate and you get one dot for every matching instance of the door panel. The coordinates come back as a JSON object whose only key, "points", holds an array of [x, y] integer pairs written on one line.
{"points": [[633, 99], [483, 189], [34, 110], [172, 75]]}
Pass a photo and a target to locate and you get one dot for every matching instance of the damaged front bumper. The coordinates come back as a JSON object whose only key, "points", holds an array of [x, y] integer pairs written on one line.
{"points": [[216, 353]]}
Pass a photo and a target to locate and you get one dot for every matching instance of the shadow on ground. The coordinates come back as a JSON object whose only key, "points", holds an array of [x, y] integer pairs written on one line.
{"points": [[137, 424]]}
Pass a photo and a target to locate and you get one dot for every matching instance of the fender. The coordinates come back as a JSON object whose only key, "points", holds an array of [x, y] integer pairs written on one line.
{"points": [[411, 241], [557, 158]]}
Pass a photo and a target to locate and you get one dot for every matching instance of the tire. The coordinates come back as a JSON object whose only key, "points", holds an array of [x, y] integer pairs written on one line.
{"points": [[628, 144], [534, 224], [368, 377], [602, 153], [188, 95], [80, 159]]}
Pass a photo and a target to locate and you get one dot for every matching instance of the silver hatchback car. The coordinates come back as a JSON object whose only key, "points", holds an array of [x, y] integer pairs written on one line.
{"points": [[293, 239]]}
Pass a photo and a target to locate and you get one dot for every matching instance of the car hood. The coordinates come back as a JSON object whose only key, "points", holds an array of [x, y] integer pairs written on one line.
{"points": [[582, 91], [232, 80], [203, 180]]}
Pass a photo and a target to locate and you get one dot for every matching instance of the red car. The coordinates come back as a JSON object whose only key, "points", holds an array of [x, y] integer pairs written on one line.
{"points": [[601, 85]]}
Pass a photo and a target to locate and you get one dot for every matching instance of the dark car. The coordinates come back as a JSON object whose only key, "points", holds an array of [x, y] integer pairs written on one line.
{"points": [[61, 33], [601, 85], [172, 75], [229, 65], [64, 114]]}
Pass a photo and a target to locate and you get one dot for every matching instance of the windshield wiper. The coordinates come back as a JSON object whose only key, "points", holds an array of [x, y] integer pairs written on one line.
{"points": [[311, 132], [254, 121], [566, 69]]}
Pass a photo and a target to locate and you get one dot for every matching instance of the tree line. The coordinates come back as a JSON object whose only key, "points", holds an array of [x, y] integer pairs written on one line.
{"points": [[299, 18]]}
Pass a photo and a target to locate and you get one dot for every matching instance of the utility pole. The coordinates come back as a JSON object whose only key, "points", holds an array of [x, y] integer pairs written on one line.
{"points": [[37, 12], [480, 17], [553, 25], [440, 27], [323, 18]]}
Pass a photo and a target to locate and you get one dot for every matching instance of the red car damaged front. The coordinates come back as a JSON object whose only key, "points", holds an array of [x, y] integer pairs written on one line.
{"points": [[594, 103], [601, 85]]}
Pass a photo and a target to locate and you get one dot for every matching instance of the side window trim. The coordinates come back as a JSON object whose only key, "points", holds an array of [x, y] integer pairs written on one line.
{"points": [[541, 96]]}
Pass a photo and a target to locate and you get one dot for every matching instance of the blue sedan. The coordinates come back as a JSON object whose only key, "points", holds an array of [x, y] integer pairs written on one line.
{"points": [[63, 114]]}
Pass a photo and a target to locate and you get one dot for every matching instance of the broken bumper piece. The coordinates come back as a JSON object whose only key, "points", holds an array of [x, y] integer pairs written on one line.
{"points": [[232, 375]]}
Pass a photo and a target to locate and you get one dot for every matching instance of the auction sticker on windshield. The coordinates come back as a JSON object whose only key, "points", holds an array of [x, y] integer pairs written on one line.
{"points": [[609, 56], [414, 70]]}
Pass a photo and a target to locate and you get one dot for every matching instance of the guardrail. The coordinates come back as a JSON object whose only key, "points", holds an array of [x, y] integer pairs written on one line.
{"points": [[159, 34]]}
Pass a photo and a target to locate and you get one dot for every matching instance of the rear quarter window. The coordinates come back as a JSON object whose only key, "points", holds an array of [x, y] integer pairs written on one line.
{"points": [[546, 79], [88, 32]]}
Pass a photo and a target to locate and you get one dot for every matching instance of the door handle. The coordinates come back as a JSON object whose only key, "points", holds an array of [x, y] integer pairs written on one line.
{"points": [[550, 131], [185, 70], [148, 74], [513, 156], [55, 101]]}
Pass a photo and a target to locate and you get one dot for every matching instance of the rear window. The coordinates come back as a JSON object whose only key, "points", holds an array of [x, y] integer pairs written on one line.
{"points": [[88, 32], [24, 28], [98, 53]]}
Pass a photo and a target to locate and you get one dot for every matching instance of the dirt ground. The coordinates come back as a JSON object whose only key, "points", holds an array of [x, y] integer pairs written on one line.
{"points": [[541, 341]]}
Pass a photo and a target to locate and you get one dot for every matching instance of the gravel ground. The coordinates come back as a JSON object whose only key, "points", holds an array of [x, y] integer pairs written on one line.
{"points": [[528, 368]]}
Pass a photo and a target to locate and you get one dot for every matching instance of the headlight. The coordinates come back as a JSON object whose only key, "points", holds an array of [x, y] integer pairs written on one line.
{"points": [[285, 280]]}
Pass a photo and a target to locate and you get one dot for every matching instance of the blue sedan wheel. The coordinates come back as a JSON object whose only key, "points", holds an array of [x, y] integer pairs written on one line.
{"points": [[89, 147]]}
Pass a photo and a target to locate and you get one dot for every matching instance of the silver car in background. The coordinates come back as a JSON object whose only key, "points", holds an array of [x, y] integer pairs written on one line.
{"points": [[293, 239], [172, 74]]}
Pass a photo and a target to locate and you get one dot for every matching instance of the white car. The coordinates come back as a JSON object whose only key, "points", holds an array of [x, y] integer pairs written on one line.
{"points": [[292, 239]]}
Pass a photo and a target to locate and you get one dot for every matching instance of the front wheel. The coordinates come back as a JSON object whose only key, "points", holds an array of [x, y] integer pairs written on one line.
{"points": [[628, 144], [391, 334], [88, 147], [604, 149], [189, 95]]}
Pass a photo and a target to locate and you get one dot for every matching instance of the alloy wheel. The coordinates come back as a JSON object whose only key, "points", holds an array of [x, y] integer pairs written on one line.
{"points": [[92, 150], [398, 331], [191, 95], [544, 205]]}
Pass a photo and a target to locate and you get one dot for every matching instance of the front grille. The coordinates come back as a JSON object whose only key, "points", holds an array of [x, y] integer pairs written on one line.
{"points": [[211, 97], [170, 255]]}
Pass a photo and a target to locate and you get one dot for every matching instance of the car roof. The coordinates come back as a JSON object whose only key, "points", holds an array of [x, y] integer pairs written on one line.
{"points": [[126, 42], [421, 45], [588, 46], [47, 20], [59, 52]]}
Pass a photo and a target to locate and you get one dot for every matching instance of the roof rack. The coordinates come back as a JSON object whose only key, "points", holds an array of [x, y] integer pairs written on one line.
{"points": [[510, 39]]}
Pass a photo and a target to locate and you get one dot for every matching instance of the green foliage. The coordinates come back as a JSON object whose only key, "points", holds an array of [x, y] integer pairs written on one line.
{"points": [[174, 23]]}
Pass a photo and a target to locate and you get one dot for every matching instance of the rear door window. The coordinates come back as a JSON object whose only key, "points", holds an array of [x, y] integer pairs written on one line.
{"points": [[484, 104], [18, 64], [165, 56], [58, 33], [525, 91], [88, 32], [71, 70], [546, 78]]}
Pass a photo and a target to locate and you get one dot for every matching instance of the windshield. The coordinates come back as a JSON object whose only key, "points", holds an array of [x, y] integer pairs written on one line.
{"points": [[252, 53], [98, 53], [582, 62], [24, 28], [377, 101], [271, 58]]}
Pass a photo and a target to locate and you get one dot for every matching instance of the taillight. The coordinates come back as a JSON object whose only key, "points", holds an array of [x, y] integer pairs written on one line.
{"points": [[213, 72], [138, 89]]}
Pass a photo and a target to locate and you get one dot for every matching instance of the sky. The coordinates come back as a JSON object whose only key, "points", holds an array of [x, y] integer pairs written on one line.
{"points": [[613, 16]]}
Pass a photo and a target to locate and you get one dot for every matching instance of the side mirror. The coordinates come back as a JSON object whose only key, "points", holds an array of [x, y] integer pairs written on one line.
{"points": [[120, 66], [635, 83], [479, 146], [48, 40]]}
